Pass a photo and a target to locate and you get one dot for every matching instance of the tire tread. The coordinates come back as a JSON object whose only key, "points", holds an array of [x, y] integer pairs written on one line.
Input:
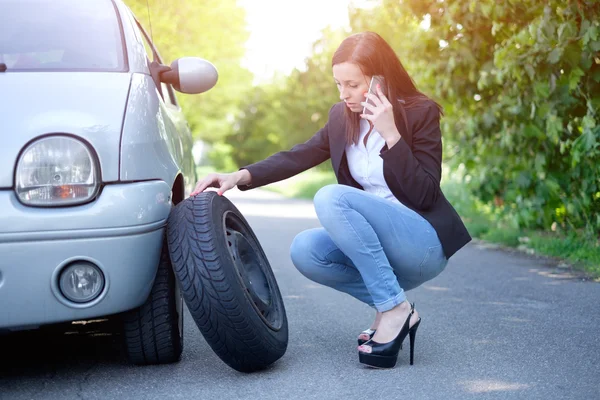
{"points": [[151, 331]]}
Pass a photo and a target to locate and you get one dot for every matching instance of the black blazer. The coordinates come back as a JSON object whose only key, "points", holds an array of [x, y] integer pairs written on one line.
{"points": [[411, 168]]}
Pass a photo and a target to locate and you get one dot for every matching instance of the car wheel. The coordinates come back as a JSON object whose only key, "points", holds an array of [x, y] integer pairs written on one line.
{"points": [[153, 332], [227, 282]]}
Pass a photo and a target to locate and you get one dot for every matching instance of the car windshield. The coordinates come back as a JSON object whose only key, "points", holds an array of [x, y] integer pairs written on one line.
{"points": [[67, 35]]}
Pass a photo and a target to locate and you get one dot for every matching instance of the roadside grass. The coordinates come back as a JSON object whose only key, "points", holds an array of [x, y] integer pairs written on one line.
{"points": [[571, 249]]}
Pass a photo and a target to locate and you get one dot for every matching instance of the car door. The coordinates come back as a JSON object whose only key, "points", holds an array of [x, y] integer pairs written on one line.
{"points": [[177, 128]]}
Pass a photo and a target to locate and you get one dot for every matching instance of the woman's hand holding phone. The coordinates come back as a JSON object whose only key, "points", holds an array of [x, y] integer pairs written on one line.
{"points": [[381, 114]]}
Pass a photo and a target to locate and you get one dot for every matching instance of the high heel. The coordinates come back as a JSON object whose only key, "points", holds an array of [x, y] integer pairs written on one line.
{"points": [[385, 355], [412, 332]]}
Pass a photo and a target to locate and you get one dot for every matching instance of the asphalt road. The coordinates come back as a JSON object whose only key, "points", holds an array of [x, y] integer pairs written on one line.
{"points": [[496, 324]]}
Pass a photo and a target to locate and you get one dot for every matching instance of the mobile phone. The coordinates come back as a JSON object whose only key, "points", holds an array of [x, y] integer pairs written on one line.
{"points": [[375, 79]]}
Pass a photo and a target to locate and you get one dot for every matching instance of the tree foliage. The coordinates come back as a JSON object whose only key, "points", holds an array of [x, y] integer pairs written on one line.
{"points": [[520, 84], [289, 110], [211, 29]]}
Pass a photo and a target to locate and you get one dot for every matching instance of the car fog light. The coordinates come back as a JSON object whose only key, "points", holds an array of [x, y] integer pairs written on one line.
{"points": [[81, 282]]}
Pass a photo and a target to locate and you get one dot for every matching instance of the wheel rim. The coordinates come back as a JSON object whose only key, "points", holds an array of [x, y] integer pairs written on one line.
{"points": [[251, 268]]}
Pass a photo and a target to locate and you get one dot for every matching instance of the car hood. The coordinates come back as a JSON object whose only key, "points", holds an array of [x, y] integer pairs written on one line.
{"points": [[89, 105]]}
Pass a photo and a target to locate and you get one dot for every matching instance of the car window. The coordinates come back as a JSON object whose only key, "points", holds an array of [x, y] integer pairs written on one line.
{"points": [[147, 45], [62, 35]]}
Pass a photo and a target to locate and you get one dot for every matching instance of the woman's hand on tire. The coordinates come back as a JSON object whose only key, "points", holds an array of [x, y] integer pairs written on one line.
{"points": [[223, 182]]}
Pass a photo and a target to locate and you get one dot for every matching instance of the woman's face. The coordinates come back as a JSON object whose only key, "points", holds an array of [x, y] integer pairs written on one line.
{"points": [[352, 84]]}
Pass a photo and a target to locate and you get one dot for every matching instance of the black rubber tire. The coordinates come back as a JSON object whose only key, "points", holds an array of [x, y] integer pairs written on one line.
{"points": [[216, 294], [153, 332]]}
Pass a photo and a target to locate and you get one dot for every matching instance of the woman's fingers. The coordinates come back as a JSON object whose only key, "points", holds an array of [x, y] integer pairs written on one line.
{"points": [[375, 108], [382, 109], [370, 117], [374, 98], [368, 106], [203, 184], [225, 186], [223, 182], [380, 102], [384, 100]]}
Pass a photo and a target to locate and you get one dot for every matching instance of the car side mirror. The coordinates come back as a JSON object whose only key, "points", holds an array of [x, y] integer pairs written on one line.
{"points": [[191, 75]]}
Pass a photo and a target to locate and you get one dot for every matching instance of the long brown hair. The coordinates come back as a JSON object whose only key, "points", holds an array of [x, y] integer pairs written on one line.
{"points": [[374, 56]]}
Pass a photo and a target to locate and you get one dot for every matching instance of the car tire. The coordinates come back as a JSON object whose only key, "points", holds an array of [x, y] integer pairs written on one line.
{"points": [[153, 332], [227, 282]]}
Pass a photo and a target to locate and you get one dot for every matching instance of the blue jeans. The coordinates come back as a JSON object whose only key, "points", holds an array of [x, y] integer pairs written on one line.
{"points": [[369, 247]]}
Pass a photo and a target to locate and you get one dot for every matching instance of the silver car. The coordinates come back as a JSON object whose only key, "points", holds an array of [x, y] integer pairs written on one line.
{"points": [[94, 154]]}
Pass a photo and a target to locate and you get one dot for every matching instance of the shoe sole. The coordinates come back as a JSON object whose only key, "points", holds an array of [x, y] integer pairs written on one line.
{"points": [[375, 361]]}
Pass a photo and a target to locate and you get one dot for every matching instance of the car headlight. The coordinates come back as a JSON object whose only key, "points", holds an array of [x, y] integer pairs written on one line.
{"points": [[56, 170]]}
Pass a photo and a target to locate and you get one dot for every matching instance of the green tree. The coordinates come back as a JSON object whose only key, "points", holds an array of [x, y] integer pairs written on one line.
{"points": [[211, 29], [287, 111], [520, 81]]}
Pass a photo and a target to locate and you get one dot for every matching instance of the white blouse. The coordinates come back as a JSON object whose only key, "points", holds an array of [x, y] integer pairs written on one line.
{"points": [[366, 166]]}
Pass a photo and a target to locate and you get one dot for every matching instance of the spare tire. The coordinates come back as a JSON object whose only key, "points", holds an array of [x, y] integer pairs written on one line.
{"points": [[227, 282]]}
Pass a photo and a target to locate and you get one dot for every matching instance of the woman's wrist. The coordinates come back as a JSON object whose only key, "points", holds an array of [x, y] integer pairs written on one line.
{"points": [[393, 139], [243, 177]]}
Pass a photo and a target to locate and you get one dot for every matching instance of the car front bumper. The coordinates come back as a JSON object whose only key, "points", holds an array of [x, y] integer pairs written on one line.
{"points": [[121, 232]]}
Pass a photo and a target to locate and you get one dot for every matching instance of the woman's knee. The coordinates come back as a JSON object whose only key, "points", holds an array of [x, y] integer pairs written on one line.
{"points": [[329, 197], [300, 249], [303, 252]]}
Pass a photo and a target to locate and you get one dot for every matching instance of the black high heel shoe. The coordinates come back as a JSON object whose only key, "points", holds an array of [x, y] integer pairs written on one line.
{"points": [[385, 355]]}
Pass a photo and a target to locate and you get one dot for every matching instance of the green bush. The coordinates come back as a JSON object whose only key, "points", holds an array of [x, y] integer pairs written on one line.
{"points": [[521, 81]]}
